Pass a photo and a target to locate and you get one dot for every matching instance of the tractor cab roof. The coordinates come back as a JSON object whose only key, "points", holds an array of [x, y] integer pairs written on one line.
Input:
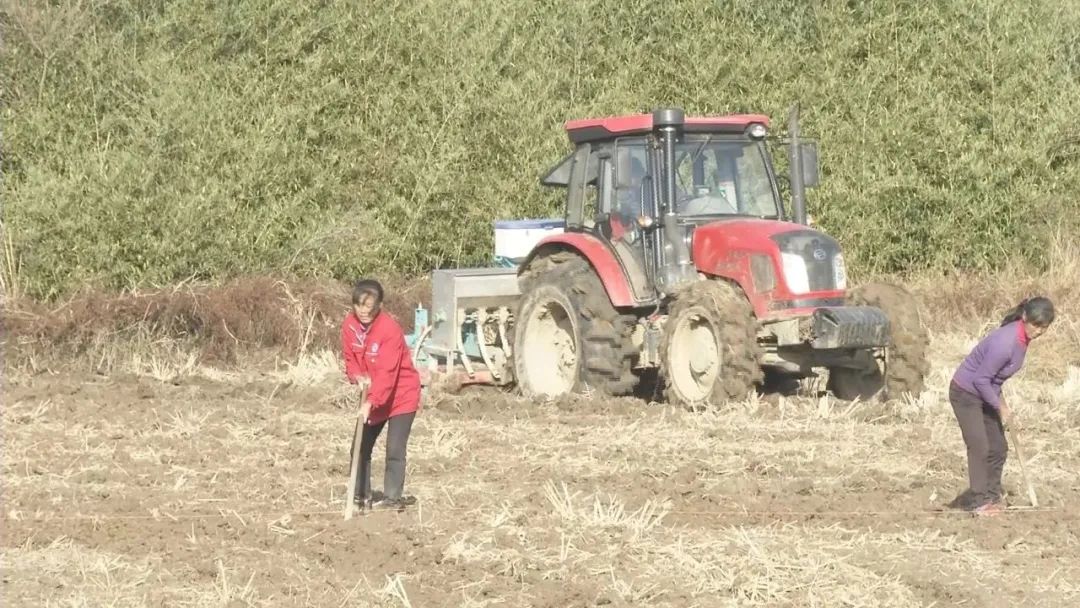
{"points": [[598, 129], [588, 130]]}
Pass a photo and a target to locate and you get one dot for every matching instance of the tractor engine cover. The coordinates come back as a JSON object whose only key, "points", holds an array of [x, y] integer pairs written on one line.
{"points": [[849, 327], [784, 269]]}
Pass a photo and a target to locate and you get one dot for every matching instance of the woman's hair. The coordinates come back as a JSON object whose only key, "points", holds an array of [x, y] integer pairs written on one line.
{"points": [[1038, 311], [367, 287]]}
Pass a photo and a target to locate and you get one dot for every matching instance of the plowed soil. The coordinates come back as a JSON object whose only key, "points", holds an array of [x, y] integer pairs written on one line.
{"points": [[194, 487]]}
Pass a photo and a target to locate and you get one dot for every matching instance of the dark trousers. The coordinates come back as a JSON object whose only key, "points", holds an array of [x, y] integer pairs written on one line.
{"points": [[984, 436], [397, 438]]}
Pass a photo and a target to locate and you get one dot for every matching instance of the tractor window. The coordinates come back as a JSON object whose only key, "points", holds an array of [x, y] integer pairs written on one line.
{"points": [[590, 206], [607, 183], [598, 189], [723, 177], [630, 164], [754, 185], [629, 191], [582, 186]]}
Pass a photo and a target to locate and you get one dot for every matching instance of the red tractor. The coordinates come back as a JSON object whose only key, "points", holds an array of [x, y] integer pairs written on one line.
{"points": [[676, 260]]}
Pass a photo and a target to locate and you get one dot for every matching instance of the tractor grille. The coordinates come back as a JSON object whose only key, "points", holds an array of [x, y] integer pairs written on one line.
{"points": [[849, 327], [818, 251]]}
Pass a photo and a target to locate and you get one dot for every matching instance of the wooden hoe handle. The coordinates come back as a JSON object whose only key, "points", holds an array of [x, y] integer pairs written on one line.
{"points": [[350, 497], [1023, 468]]}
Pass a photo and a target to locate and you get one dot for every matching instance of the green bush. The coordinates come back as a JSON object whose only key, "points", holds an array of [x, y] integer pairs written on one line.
{"points": [[148, 142]]}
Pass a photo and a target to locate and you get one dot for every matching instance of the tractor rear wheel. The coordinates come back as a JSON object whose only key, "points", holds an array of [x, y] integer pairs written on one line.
{"points": [[567, 335], [905, 368], [709, 354]]}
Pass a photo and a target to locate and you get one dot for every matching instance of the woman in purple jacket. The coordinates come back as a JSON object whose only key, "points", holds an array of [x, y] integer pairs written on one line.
{"points": [[975, 394]]}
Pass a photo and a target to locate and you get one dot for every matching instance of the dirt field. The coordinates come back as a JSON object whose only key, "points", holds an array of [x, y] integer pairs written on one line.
{"points": [[169, 484]]}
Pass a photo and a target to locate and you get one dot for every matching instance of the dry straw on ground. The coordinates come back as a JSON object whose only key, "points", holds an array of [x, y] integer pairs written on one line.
{"points": [[163, 479]]}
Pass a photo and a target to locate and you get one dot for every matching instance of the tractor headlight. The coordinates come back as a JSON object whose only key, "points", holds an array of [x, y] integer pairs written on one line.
{"points": [[839, 272], [757, 131], [795, 275]]}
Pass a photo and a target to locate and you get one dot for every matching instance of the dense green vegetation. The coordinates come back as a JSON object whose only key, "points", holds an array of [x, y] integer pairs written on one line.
{"points": [[146, 142]]}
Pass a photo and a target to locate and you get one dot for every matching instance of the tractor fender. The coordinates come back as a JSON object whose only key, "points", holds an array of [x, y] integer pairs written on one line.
{"points": [[599, 256]]}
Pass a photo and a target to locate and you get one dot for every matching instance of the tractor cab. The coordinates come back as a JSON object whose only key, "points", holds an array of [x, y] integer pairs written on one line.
{"points": [[645, 183], [721, 169]]}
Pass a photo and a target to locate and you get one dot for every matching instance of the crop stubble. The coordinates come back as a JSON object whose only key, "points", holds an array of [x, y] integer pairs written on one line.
{"points": [[214, 489]]}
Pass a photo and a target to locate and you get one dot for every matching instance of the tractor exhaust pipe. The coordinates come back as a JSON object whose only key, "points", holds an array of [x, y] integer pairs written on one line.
{"points": [[677, 268], [669, 121], [795, 168]]}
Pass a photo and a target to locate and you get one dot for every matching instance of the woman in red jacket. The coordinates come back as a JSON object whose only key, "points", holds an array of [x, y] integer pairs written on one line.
{"points": [[375, 352]]}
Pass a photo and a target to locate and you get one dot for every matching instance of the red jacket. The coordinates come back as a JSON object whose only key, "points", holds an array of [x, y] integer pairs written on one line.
{"points": [[379, 353]]}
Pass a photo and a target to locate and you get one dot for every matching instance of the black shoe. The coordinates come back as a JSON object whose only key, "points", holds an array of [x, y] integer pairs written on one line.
{"points": [[394, 504], [965, 500], [388, 504]]}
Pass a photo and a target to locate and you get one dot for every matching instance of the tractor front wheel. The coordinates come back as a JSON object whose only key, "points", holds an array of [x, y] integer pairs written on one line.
{"points": [[905, 367], [709, 353]]}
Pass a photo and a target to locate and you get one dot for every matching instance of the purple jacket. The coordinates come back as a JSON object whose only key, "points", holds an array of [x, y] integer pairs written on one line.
{"points": [[996, 358]]}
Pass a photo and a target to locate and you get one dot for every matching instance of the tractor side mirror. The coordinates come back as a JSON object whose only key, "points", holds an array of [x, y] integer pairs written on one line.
{"points": [[810, 168]]}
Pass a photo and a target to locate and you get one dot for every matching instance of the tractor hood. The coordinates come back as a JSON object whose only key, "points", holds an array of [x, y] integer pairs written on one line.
{"points": [[747, 235], [784, 259]]}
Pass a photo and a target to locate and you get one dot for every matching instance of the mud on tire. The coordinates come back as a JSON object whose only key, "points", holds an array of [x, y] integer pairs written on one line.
{"points": [[907, 364], [716, 307], [601, 336]]}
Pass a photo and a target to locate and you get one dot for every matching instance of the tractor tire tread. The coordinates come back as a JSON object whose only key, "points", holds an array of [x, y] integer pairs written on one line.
{"points": [[731, 311], [908, 364], [605, 334]]}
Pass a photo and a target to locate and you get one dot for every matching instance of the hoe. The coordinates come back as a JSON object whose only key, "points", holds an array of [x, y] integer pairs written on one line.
{"points": [[677, 263]]}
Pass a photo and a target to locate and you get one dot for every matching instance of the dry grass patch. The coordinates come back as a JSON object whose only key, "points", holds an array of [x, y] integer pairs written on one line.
{"points": [[788, 502]]}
